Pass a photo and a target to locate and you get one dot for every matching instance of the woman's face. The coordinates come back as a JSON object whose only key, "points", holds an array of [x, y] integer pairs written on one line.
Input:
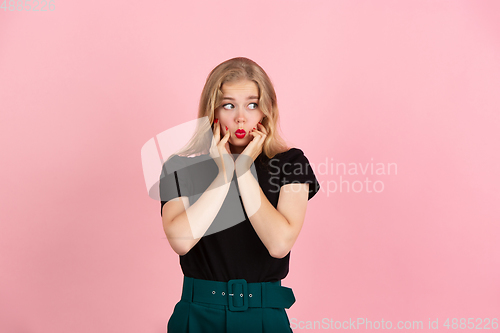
{"points": [[240, 112]]}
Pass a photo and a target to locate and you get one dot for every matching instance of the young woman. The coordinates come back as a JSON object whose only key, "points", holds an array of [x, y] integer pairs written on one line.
{"points": [[232, 207]]}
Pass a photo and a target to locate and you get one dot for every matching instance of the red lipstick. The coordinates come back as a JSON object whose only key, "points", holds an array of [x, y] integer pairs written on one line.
{"points": [[240, 133]]}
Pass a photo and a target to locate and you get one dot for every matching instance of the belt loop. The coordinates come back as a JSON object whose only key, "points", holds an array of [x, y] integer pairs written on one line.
{"points": [[187, 289]]}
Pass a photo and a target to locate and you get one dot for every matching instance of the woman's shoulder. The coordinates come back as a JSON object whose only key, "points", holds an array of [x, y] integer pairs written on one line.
{"points": [[177, 162], [290, 154], [285, 158]]}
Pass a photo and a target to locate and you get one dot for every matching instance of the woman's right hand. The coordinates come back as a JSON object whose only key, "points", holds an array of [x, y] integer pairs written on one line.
{"points": [[219, 152]]}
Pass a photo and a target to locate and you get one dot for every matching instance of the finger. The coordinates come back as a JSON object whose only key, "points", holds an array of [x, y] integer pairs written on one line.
{"points": [[262, 135], [225, 138], [262, 128], [216, 137], [256, 133], [254, 139], [259, 132], [262, 140], [259, 137], [216, 126], [253, 143]]}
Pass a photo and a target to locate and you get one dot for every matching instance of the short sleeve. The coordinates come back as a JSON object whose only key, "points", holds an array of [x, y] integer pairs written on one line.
{"points": [[174, 181], [295, 168]]}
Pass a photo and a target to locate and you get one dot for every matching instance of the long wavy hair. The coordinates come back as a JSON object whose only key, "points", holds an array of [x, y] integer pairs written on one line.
{"points": [[233, 70]]}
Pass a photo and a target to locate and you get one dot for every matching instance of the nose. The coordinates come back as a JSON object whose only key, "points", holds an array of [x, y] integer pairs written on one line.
{"points": [[240, 116]]}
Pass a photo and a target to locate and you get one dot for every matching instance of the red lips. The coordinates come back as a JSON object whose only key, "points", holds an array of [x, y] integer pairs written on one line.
{"points": [[240, 133]]}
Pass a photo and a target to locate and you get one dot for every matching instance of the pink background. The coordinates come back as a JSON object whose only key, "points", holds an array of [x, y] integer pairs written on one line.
{"points": [[415, 83]]}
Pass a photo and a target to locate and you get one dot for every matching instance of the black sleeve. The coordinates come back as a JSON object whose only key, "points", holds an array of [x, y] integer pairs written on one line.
{"points": [[174, 181], [295, 168]]}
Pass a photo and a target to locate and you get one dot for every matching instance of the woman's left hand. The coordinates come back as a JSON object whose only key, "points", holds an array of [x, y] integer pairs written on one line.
{"points": [[252, 150]]}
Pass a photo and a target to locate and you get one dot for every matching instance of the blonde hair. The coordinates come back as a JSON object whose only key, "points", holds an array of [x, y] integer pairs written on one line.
{"points": [[233, 70]]}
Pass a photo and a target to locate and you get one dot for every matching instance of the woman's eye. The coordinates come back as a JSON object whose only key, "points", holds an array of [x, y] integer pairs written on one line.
{"points": [[228, 106], [253, 106]]}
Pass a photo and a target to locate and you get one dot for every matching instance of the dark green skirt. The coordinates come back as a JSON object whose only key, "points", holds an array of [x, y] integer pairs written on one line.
{"points": [[231, 307]]}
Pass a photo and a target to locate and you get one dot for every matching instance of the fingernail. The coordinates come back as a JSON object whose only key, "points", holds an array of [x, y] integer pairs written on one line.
{"points": [[226, 128], [216, 120]]}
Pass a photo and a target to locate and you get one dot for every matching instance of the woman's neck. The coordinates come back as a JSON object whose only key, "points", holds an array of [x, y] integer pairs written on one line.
{"points": [[236, 149]]}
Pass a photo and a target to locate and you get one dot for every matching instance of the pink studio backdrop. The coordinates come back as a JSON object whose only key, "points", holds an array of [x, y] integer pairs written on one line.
{"points": [[409, 87]]}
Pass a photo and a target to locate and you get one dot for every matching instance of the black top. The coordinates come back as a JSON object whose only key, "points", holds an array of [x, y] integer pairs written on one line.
{"points": [[234, 252]]}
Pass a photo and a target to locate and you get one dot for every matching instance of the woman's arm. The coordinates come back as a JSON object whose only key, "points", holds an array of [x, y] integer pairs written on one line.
{"points": [[184, 225], [278, 228]]}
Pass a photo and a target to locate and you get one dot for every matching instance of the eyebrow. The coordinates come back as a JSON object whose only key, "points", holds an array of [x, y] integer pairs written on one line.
{"points": [[249, 97]]}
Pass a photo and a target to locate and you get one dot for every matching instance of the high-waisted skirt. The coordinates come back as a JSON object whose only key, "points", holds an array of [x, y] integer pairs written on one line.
{"points": [[231, 307]]}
